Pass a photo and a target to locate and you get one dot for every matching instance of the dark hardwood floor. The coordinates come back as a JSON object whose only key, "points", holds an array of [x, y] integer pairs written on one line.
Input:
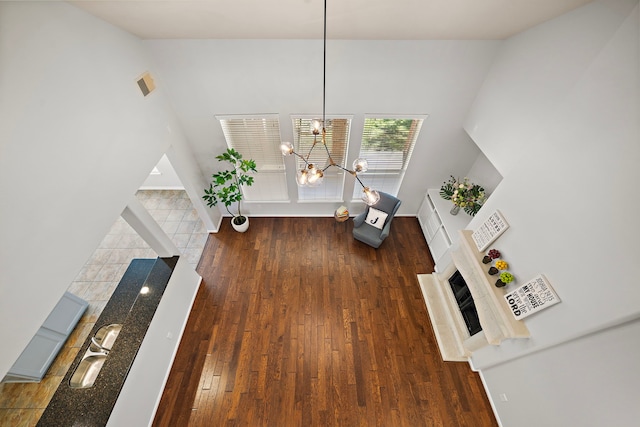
{"points": [[298, 324]]}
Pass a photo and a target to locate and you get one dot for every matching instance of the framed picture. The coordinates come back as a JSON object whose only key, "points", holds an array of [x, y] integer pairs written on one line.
{"points": [[535, 295], [489, 231]]}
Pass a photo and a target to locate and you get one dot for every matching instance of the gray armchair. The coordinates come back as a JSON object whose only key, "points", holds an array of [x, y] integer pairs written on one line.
{"points": [[371, 234]]}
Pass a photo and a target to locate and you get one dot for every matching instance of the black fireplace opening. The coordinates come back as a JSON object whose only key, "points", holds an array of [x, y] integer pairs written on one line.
{"points": [[465, 303]]}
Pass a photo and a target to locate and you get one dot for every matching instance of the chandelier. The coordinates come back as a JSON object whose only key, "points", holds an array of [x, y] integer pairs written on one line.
{"points": [[312, 174]]}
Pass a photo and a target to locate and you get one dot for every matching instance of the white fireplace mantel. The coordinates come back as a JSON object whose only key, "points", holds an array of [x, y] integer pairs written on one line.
{"points": [[495, 316]]}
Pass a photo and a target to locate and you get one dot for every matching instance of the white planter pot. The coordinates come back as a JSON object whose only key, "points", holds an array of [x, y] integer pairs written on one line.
{"points": [[242, 227]]}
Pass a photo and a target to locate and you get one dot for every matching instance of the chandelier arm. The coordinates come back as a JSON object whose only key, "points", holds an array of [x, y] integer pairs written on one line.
{"points": [[354, 174], [339, 167], [330, 165], [306, 159], [301, 157], [331, 162]]}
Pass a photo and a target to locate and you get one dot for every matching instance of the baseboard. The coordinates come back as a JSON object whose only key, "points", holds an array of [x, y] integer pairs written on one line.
{"points": [[162, 187], [493, 406]]}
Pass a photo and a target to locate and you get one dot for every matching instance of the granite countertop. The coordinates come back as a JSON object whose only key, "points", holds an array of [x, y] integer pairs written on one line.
{"points": [[134, 310]]}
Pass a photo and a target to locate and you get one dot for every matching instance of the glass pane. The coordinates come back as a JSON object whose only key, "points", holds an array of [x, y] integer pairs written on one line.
{"points": [[329, 191], [267, 187], [385, 182]]}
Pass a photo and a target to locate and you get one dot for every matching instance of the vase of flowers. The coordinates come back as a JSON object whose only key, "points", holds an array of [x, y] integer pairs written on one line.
{"points": [[464, 194]]}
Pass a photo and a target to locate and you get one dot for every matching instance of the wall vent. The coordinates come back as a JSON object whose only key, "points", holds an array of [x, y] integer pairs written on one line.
{"points": [[146, 84]]}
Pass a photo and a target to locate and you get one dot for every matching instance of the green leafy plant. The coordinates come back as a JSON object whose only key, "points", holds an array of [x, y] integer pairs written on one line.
{"points": [[226, 186], [465, 194]]}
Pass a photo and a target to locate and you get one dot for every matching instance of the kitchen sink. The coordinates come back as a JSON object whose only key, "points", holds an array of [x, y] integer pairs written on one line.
{"points": [[87, 371], [105, 337], [91, 364]]}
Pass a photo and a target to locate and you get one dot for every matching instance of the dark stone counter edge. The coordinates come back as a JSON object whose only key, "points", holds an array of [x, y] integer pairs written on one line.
{"points": [[92, 406]]}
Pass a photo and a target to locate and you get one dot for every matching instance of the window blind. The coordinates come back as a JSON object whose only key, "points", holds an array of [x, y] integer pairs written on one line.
{"points": [[258, 138], [255, 137], [387, 144]]}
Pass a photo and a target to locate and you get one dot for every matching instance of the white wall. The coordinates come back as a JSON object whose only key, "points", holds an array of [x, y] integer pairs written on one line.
{"points": [[483, 172], [167, 179], [559, 117], [438, 78], [590, 382], [77, 138]]}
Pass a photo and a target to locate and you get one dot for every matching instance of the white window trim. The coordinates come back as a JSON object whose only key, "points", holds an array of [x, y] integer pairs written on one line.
{"points": [[402, 171]]}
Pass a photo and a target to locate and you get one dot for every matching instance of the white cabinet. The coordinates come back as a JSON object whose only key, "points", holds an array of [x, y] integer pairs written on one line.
{"points": [[43, 348], [440, 228]]}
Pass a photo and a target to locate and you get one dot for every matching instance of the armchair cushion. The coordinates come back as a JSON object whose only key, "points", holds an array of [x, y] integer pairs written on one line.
{"points": [[367, 232], [376, 218], [387, 203]]}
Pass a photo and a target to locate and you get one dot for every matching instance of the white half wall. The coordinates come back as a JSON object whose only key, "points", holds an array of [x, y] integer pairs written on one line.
{"points": [[77, 139], [142, 390]]}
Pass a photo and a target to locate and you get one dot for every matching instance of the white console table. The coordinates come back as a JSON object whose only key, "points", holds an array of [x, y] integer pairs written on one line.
{"points": [[440, 228]]}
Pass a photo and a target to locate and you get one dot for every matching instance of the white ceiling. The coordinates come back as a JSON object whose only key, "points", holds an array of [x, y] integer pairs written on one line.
{"points": [[346, 19]]}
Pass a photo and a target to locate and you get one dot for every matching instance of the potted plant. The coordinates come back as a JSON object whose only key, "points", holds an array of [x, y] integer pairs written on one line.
{"points": [[226, 186], [463, 194], [505, 279]]}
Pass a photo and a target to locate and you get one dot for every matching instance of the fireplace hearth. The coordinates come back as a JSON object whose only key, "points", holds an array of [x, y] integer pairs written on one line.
{"points": [[466, 310]]}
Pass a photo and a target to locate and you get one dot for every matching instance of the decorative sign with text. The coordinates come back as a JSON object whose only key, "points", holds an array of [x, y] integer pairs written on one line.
{"points": [[489, 231], [533, 296]]}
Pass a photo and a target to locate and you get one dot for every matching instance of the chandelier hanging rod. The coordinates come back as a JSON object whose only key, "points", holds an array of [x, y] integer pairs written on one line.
{"points": [[324, 73], [311, 174]]}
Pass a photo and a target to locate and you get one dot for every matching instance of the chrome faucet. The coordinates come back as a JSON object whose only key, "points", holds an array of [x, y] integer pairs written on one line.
{"points": [[102, 349]]}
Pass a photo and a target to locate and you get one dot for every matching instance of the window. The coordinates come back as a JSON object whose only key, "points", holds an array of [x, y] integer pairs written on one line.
{"points": [[387, 144], [337, 139], [258, 138]]}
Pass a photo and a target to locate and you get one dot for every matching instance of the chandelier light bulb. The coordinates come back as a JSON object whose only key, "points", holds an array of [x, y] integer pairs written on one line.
{"points": [[370, 197], [286, 148], [314, 176], [317, 178], [301, 177], [316, 126], [360, 165]]}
